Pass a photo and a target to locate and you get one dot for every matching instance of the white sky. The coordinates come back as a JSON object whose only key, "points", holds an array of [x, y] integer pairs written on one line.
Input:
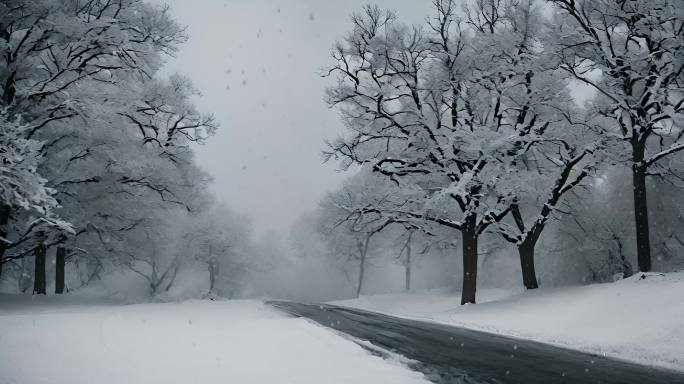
{"points": [[256, 63]]}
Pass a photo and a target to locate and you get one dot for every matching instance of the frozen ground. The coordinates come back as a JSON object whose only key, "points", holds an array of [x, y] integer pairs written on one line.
{"points": [[637, 319], [77, 341]]}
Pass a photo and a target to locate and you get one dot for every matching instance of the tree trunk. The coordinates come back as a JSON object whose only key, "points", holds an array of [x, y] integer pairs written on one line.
{"points": [[172, 279], [362, 266], [211, 278], [39, 271], [4, 219], [362, 271], [24, 279], [641, 217], [59, 270], [526, 251], [213, 272], [469, 235], [408, 267]]}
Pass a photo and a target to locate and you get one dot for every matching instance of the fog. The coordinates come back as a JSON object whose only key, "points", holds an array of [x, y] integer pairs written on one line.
{"points": [[257, 65], [512, 167]]}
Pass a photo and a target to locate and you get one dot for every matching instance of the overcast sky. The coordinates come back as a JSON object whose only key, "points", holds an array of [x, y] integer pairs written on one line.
{"points": [[256, 63]]}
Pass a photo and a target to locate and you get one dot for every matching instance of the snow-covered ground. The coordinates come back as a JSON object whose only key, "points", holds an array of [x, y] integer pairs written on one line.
{"points": [[637, 319], [77, 341]]}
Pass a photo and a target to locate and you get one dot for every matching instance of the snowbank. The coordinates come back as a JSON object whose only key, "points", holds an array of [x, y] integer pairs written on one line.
{"points": [[639, 319], [193, 342]]}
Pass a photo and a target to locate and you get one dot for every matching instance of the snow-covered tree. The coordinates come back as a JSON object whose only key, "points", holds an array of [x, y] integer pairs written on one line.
{"points": [[354, 215], [452, 116], [220, 240], [23, 191], [21, 186], [54, 55], [630, 52], [553, 152], [95, 136]]}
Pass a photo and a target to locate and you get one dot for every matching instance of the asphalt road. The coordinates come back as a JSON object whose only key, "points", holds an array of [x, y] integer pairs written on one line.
{"points": [[447, 354]]}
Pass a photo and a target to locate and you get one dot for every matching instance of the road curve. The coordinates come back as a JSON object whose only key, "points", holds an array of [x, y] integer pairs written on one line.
{"points": [[447, 354]]}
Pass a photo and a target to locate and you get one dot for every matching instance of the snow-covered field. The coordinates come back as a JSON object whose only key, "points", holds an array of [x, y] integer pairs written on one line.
{"points": [[637, 319], [76, 341]]}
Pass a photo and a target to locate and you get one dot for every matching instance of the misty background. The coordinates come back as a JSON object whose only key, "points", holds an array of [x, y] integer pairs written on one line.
{"points": [[269, 223], [258, 65], [508, 166]]}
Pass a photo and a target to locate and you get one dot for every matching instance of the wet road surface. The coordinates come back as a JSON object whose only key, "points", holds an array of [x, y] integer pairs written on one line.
{"points": [[447, 354]]}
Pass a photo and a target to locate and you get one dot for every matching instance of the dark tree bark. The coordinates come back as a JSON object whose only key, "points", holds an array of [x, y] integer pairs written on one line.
{"points": [[469, 235], [39, 283], [4, 219], [526, 251], [59, 270], [528, 239], [641, 217], [526, 248]]}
